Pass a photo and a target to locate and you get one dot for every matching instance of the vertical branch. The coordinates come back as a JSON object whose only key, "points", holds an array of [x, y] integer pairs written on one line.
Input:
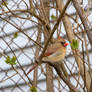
{"points": [[49, 71], [31, 6], [36, 55], [84, 67], [49, 78], [90, 86]]}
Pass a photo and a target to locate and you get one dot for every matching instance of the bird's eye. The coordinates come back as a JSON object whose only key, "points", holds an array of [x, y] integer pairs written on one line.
{"points": [[62, 43]]}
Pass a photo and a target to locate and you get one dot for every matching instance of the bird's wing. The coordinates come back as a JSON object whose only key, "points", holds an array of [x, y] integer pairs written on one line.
{"points": [[50, 51]]}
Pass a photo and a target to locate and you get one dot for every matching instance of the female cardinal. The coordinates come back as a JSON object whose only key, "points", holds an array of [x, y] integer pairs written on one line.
{"points": [[55, 52]]}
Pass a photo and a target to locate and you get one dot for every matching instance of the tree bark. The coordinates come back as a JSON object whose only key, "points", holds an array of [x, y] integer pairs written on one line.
{"points": [[49, 71]]}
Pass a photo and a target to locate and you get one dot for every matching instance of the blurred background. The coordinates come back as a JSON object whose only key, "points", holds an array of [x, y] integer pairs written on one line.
{"points": [[25, 25]]}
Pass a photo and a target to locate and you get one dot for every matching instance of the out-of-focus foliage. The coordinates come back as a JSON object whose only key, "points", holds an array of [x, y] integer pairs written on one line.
{"points": [[4, 3], [15, 35], [33, 89], [10, 61], [53, 17], [75, 44]]}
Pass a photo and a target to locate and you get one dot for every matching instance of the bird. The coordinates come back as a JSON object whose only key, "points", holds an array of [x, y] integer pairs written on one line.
{"points": [[55, 52]]}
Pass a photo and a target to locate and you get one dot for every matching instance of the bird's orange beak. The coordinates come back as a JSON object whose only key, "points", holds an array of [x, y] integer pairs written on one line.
{"points": [[66, 44]]}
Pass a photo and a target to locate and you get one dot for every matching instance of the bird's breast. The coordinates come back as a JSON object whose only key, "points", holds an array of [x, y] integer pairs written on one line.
{"points": [[57, 56]]}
